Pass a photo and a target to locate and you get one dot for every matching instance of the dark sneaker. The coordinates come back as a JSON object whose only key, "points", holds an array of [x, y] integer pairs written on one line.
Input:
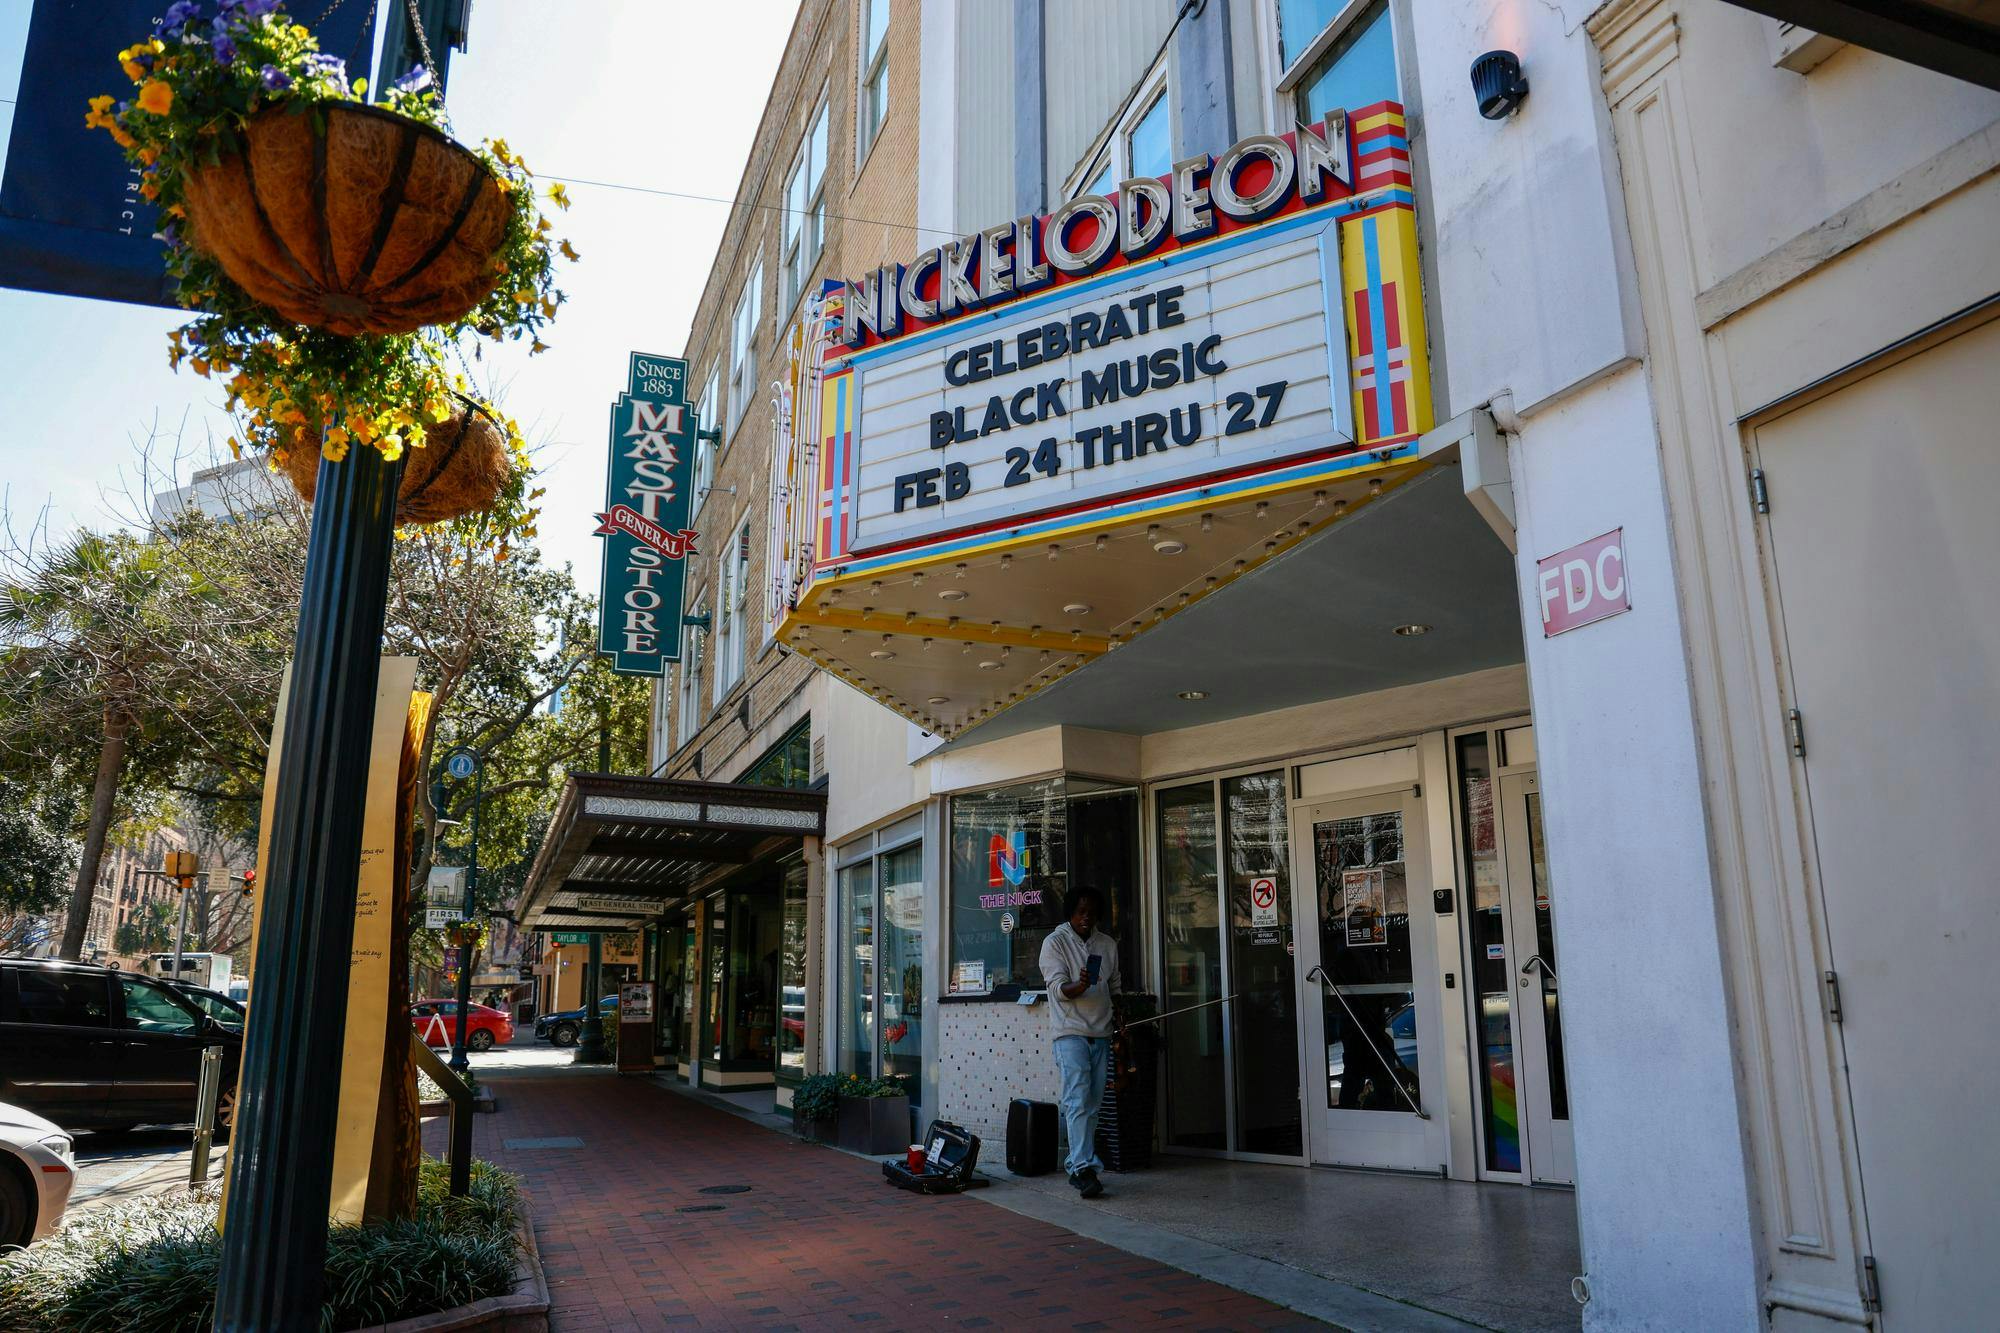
{"points": [[1087, 1183]]}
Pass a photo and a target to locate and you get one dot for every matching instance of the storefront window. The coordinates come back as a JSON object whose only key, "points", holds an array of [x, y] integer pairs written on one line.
{"points": [[1197, 1077], [902, 972], [1370, 1006], [1015, 851], [857, 970], [1500, 1130], [1265, 1013], [794, 949]]}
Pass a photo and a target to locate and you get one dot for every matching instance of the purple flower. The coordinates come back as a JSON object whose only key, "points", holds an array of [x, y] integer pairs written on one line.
{"points": [[225, 49], [415, 81], [275, 79], [178, 16], [330, 67], [256, 9], [169, 234]]}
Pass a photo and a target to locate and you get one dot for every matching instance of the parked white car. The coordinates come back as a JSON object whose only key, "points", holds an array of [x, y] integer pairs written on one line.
{"points": [[37, 1172]]}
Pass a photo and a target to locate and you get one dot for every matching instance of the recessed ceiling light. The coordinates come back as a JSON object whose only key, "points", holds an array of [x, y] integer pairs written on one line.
{"points": [[938, 699], [1077, 609], [989, 664], [1168, 545], [1412, 631], [951, 594], [881, 654], [1194, 696]]}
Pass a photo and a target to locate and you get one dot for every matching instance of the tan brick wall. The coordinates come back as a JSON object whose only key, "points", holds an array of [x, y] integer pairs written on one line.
{"points": [[870, 221]]}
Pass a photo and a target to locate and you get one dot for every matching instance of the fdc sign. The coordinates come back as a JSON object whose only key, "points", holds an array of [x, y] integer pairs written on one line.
{"points": [[647, 504]]}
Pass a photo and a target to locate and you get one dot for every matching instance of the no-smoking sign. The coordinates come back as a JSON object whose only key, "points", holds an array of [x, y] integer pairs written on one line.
{"points": [[1264, 903]]}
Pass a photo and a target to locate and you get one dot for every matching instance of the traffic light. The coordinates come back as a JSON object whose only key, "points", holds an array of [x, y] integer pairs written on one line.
{"points": [[182, 867], [249, 882]]}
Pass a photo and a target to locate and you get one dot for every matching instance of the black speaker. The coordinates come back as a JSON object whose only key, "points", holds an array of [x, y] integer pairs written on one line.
{"points": [[1031, 1137]]}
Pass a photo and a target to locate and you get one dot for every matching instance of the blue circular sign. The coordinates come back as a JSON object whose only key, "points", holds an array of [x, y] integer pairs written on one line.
{"points": [[460, 764]]}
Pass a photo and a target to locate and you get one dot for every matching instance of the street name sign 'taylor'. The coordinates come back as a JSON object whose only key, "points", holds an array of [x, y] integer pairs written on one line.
{"points": [[648, 500]]}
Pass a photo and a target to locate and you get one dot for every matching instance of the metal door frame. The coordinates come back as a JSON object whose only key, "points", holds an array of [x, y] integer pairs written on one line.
{"points": [[1430, 1138], [1533, 1066], [1149, 851]]}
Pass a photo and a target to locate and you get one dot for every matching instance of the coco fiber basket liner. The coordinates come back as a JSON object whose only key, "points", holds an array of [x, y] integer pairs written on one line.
{"points": [[459, 470], [351, 219]]}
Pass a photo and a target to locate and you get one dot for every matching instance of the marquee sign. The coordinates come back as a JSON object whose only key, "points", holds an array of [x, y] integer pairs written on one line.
{"points": [[647, 503], [1183, 328], [1162, 388]]}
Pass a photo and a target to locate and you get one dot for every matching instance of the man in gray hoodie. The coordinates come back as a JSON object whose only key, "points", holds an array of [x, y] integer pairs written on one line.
{"points": [[1080, 964]]}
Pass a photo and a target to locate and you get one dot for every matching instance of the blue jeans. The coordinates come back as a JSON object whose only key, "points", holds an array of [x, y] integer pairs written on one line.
{"points": [[1083, 1062]]}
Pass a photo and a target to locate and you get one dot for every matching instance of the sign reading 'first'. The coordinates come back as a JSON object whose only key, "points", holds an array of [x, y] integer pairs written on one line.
{"points": [[648, 501]]}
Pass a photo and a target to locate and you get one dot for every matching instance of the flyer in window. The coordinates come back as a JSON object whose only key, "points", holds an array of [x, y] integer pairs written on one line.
{"points": [[1364, 907]]}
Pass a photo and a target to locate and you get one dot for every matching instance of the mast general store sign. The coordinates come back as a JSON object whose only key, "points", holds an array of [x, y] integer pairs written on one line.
{"points": [[646, 509], [1188, 326]]}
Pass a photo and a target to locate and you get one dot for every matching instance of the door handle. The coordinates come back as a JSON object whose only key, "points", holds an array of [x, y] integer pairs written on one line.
{"points": [[1536, 960]]}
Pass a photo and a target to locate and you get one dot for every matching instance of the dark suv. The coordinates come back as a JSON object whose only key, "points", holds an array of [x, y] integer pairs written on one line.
{"points": [[98, 1048]]}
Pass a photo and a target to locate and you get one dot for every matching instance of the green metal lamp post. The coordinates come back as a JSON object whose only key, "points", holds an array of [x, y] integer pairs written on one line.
{"points": [[591, 1049], [463, 762]]}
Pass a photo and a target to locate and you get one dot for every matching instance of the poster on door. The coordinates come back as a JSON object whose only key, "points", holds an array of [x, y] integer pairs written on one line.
{"points": [[1364, 908]]}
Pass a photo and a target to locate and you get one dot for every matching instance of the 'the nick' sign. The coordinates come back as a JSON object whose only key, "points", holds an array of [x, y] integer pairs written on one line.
{"points": [[1584, 584], [647, 504]]}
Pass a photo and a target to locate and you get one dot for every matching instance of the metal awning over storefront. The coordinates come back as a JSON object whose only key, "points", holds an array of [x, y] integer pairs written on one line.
{"points": [[623, 850]]}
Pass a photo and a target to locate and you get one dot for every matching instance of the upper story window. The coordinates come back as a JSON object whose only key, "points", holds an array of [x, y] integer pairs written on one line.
{"points": [[732, 601], [708, 416], [874, 73], [743, 345], [1338, 55], [805, 209], [688, 709], [1141, 144]]}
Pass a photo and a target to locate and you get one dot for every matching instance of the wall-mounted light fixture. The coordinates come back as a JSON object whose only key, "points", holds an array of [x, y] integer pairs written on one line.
{"points": [[1498, 83]]}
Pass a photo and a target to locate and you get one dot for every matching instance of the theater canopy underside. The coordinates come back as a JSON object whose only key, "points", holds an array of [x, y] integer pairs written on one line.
{"points": [[623, 850]]}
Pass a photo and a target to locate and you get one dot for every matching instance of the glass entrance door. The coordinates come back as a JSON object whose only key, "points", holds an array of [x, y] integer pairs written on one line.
{"points": [[1511, 964], [1232, 1056], [1552, 1152], [1373, 1045]]}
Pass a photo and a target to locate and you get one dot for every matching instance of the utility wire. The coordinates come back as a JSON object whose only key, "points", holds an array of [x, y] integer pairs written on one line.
{"points": [[738, 203]]}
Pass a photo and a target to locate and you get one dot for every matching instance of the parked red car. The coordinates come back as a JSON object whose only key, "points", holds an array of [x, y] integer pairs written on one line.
{"points": [[437, 1021]]}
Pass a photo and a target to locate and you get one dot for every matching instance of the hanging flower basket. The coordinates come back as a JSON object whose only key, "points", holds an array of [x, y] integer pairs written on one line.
{"points": [[461, 467], [350, 219], [338, 256]]}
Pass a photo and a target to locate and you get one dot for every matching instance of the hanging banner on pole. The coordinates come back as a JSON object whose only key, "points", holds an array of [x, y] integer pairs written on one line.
{"points": [[648, 500]]}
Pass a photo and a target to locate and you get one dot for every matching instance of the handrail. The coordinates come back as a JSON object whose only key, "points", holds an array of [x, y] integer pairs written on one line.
{"points": [[460, 1153], [1362, 1028]]}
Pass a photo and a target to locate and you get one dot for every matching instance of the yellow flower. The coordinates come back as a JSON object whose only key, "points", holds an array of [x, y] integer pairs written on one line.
{"points": [[337, 436], [569, 252], [133, 69], [156, 97], [559, 194], [200, 367], [119, 136]]}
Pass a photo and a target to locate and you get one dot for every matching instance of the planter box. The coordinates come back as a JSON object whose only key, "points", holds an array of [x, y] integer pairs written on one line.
{"points": [[814, 1131], [874, 1125], [524, 1309]]}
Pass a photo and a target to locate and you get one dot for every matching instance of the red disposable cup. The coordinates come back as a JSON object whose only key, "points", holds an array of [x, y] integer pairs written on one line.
{"points": [[915, 1160]]}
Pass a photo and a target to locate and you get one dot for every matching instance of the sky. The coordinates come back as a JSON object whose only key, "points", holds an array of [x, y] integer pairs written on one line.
{"points": [[654, 94]]}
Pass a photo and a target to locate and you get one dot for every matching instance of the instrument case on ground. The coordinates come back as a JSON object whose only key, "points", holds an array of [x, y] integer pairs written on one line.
{"points": [[950, 1155]]}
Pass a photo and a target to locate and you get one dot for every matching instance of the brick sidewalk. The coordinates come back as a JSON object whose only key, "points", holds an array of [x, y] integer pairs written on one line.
{"points": [[819, 1240]]}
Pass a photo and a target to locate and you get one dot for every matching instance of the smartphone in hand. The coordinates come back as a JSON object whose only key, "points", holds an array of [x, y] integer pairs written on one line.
{"points": [[1093, 968]]}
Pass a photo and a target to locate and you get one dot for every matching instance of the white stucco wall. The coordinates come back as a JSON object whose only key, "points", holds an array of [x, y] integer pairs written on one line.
{"points": [[1535, 292], [1661, 1178]]}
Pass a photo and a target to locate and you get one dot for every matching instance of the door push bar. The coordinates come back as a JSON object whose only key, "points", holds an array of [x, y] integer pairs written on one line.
{"points": [[1536, 960], [1319, 973]]}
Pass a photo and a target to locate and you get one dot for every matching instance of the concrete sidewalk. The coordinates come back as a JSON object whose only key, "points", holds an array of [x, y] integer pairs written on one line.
{"points": [[654, 1210]]}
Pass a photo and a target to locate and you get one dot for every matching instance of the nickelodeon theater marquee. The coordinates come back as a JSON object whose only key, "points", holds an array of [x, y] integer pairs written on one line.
{"points": [[1028, 445]]}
